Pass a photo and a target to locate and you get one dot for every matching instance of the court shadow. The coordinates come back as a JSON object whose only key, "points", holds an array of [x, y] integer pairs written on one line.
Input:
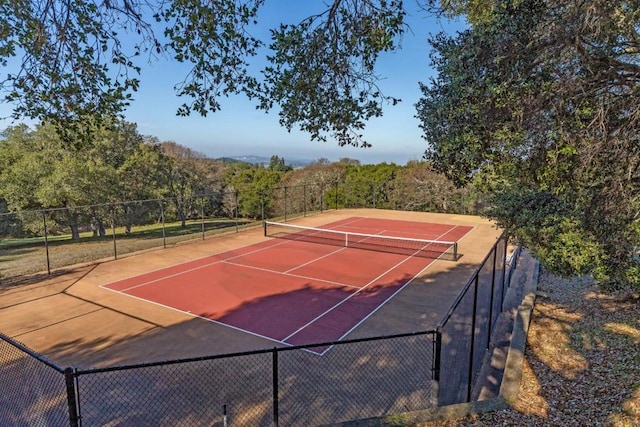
{"points": [[353, 380], [350, 381], [310, 314]]}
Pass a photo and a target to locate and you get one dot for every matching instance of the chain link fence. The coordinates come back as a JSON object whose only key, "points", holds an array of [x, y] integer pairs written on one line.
{"points": [[44, 240], [282, 386], [465, 331], [34, 390], [353, 379]]}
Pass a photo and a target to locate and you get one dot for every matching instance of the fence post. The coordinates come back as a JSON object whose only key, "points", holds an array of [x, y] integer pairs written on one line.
{"points": [[235, 194], [113, 231], [71, 397], [262, 204], [304, 199], [275, 386], [373, 195], [202, 217], [321, 197], [285, 204], [473, 337], [506, 273], [337, 195], [493, 286], [504, 264], [46, 242], [164, 234], [437, 350]]}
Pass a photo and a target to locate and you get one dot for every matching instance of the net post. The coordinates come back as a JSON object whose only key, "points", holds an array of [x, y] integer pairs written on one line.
{"points": [[455, 251], [264, 228]]}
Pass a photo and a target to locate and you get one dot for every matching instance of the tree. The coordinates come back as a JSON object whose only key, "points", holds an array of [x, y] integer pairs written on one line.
{"points": [[310, 182], [277, 164], [39, 171], [22, 163], [254, 186], [79, 60], [143, 175], [364, 184], [476, 11], [39, 174], [539, 103], [418, 187], [189, 175]]}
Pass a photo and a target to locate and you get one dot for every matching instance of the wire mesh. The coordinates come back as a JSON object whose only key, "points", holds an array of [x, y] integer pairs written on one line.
{"points": [[33, 393], [353, 380], [356, 380], [192, 393], [466, 329]]}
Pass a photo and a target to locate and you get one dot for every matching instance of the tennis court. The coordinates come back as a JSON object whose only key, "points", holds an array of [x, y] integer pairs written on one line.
{"points": [[309, 285]]}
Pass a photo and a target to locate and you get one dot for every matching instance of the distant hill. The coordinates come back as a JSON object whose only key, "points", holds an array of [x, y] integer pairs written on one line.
{"points": [[260, 160], [230, 160]]}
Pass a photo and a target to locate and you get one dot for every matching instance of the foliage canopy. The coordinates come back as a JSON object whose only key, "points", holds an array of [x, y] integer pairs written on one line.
{"points": [[83, 59], [540, 102]]}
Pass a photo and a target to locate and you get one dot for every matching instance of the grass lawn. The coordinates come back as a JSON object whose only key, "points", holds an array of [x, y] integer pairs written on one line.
{"points": [[19, 257]]}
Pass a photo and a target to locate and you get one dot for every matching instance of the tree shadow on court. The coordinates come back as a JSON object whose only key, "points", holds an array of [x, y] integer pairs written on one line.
{"points": [[350, 381]]}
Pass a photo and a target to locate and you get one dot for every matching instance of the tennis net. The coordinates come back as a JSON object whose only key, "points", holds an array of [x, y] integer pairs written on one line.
{"points": [[372, 242]]}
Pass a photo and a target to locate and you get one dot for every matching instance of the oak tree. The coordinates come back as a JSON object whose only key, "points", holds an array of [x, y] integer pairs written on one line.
{"points": [[539, 103], [69, 61]]}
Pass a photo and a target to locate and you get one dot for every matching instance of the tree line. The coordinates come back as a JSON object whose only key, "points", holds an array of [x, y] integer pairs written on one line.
{"points": [[535, 102], [539, 100], [41, 171]]}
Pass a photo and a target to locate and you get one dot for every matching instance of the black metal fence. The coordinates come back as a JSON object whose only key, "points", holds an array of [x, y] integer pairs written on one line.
{"points": [[35, 241], [464, 333], [281, 386], [355, 379], [48, 239], [35, 390]]}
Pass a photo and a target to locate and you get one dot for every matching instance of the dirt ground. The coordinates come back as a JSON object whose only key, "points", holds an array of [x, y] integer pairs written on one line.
{"points": [[582, 361]]}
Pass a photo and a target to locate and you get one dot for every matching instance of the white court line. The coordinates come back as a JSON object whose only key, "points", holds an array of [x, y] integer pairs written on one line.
{"points": [[218, 261], [364, 319], [316, 259], [347, 298], [361, 289], [204, 318], [283, 342], [291, 275]]}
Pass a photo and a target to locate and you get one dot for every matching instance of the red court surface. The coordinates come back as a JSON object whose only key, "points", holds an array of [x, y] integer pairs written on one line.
{"points": [[290, 291]]}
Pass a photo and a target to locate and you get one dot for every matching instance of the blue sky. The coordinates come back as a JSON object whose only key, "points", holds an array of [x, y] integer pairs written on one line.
{"points": [[239, 129]]}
